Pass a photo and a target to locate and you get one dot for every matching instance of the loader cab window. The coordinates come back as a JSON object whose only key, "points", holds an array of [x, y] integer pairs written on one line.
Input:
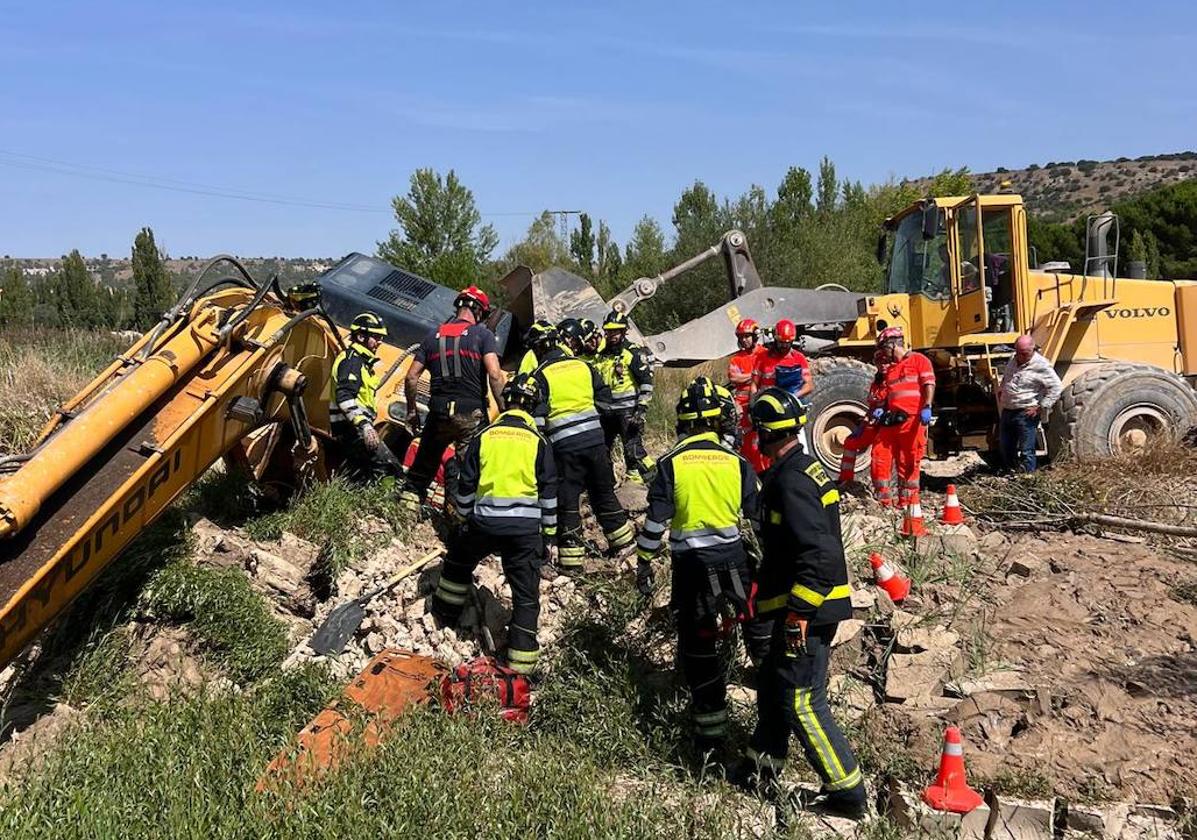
{"points": [[997, 226], [918, 266]]}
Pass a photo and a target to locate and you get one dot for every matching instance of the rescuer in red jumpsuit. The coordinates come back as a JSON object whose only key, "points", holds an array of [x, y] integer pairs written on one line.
{"points": [[881, 467], [910, 391], [786, 367], [741, 369]]}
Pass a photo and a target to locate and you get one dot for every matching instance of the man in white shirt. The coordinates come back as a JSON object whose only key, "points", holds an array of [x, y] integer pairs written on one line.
{"points": [[1029, 388]]}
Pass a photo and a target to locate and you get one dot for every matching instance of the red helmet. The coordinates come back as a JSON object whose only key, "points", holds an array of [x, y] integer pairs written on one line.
{"points": [[785, 330], [746, 327], [890, 334], [475, 299]]}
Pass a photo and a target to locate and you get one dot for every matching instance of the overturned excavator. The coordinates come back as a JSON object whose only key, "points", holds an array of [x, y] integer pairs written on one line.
{"points": [[239, 370]]}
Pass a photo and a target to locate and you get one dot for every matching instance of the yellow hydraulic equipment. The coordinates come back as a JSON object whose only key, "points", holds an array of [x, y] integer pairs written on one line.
{"points": [[962, 282], [238, 370]]}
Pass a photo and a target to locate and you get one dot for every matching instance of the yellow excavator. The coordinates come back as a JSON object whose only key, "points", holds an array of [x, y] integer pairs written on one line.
{"points": [[235, 370]]}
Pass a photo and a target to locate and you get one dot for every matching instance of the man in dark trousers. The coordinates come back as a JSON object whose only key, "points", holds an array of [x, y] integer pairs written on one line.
{"points": [[352, 410], [627, 371], [569, 391], [802, 587], [507, 494], [461, 356], [699, 494]]}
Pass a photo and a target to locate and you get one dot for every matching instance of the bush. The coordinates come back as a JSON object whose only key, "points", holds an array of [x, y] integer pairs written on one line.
{"points": [[39, 371]]}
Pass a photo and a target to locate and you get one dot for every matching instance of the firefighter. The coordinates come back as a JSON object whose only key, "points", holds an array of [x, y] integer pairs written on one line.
{"points": [[699, 494], [741, 373], [570, 390], [910, 393], [627, 371], [461, 356], [351, 411], [592, 340], [802, 589], [507, 495], [728, 426], [864, 436], [540, 334]]}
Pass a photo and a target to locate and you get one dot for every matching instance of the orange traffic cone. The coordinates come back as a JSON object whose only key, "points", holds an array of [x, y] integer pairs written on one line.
{"points": [[952, 514], [950, 790], [895, 584], [912, 522]]}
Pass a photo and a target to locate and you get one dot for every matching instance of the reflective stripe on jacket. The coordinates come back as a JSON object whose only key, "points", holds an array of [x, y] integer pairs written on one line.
{"points": [[508, 480], [627, 371], [803, 567], [698, 494], [570, 391], [354, 386], [904, 383]]}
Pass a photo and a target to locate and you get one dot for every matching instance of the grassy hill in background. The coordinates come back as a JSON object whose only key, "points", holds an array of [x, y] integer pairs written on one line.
{"points": [[1063, 190]]}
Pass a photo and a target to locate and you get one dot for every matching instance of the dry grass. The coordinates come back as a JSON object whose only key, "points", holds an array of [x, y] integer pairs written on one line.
{"points": [[40, 370], [1158, 485]]}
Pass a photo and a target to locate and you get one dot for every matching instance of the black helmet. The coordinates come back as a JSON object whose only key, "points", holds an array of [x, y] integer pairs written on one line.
{"points": [[776, 411], [571, 332], [521, 391], [699, 402], [541, 334], [616, 321], [589, 329], [369, 323]]}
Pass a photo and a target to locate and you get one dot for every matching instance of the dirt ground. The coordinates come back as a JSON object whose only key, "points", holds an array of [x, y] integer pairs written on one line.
{"points": [[1098, 625]]}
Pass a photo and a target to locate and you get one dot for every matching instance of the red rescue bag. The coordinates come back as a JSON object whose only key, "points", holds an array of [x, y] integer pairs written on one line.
{"points": [[484, 677]]}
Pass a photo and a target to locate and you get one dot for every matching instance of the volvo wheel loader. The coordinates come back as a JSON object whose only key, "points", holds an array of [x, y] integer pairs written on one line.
{"points": [[236, 370], [961, 283]]}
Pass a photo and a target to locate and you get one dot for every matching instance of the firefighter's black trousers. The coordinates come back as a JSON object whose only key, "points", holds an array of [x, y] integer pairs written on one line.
{"points": [[792, 697], [440, 430], [522, 557], [365, 464], [708, 592], [617, 425], [590, 470]]}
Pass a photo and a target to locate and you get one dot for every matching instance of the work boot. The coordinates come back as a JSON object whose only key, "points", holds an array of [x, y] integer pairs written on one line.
{"points": [[851, 804]]}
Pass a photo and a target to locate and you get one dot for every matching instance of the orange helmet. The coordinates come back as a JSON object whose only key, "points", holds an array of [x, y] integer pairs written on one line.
{"points": [[746, 327], [785, 330], [475, 299]]}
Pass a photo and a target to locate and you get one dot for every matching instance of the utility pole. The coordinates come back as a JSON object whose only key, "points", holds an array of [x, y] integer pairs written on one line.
{"points": [[563, 220]]}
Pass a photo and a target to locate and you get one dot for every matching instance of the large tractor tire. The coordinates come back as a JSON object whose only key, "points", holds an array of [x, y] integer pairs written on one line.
{"points": [[1118, 409], [839, 401]]}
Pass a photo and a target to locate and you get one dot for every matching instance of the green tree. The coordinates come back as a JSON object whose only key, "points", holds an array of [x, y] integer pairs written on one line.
{"points": [[828, 187], [440, 232], [645, 253], [581, 244], [541, 246], [16, 298], [152, 292], [75, 293], [609, 262]]}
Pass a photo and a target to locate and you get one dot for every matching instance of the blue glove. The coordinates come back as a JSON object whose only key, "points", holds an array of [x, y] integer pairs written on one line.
{"points": [[876, 414], [925, 415]]}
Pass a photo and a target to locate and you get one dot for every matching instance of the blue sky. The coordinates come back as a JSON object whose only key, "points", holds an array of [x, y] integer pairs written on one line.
{"points": [[609, 107]]}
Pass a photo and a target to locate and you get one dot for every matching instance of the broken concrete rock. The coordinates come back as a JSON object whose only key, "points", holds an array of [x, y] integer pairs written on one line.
{"points": [[851, 698], [917, 676], [954, 540], [1008, 681], [847, 630], [919, 639], [1020, 819]]}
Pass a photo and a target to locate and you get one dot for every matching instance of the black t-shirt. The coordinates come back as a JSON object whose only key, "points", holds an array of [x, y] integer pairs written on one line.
{"points": [[453, 354]]}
